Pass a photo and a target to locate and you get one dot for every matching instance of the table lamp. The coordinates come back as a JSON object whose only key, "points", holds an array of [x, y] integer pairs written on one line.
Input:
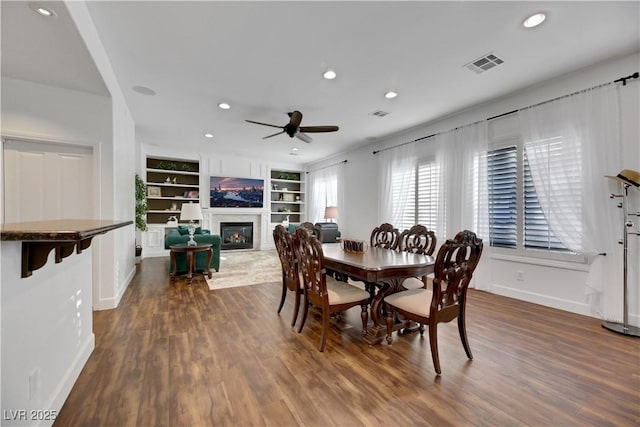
{"points": [[331, 213], [191, 212]]}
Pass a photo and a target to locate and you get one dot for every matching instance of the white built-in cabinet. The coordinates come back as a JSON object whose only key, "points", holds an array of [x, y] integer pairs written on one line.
{"points": [[287, 196]]}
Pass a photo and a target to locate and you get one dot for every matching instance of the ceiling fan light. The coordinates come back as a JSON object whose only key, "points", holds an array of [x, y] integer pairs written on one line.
{"points": [[534, 20], [329, 75], [224, 106], [390, 95], [208, 135]]}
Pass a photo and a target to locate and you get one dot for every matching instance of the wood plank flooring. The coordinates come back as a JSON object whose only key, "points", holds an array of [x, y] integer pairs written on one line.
{"points": [[182, 355]]}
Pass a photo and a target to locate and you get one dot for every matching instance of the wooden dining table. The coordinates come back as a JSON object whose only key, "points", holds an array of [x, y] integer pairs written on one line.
{"points": [[384, 267]]}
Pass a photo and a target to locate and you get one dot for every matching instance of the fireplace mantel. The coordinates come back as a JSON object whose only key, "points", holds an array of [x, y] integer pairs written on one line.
{"points": [[213, 217]]}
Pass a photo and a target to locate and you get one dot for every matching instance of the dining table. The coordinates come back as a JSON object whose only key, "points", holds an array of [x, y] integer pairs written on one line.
{"points": [[386, 268]]}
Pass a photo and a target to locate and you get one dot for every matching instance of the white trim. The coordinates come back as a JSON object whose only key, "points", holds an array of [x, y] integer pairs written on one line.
{"points": [[69, 379], [545, 300]]}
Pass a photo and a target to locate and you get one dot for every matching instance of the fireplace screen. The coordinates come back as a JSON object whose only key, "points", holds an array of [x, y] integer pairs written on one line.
{"points": [[236, 235]]}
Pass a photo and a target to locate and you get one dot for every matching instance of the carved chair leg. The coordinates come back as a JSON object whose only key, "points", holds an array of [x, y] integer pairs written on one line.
{"points": [[296, 309], [283, 297], [305, 311], [433, 342], [463, 334], [326, 316], [390, 322], [365, 318]]}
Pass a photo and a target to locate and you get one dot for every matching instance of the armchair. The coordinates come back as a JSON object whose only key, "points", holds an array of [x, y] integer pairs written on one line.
{"points": [[181, 235]]}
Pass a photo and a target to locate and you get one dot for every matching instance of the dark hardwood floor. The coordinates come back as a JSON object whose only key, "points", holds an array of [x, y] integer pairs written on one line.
{"points": [[182, 355]]}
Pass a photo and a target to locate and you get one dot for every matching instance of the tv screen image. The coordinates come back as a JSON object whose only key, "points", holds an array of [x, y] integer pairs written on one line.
{"points": [[229, 192]]}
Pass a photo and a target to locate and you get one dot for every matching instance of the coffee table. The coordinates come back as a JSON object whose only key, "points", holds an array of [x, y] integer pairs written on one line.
{"points": [[190, 251]]}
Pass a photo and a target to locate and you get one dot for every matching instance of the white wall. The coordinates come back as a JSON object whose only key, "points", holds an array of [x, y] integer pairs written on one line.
{"points": [[116, 179], [559, 285], [47, 333]]}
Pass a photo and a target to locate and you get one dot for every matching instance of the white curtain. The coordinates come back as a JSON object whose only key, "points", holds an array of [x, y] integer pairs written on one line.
{"points": [[571, 144], [325, 191], [462, 156], [397, 167]]}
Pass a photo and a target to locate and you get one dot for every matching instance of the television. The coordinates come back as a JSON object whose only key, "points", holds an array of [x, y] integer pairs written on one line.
{"points": [[230, 192]]}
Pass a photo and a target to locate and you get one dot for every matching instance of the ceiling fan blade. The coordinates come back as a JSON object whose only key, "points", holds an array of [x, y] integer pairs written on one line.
{"points": [[312, 129], [269, 136], [301, 136], [263, 124], [296, 118]]}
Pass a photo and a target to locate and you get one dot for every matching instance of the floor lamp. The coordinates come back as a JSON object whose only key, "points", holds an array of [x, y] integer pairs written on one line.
{"points": [[627, 178]]}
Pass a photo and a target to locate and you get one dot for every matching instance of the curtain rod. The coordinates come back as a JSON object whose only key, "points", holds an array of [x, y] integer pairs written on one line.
{"points": [[621, 79], [328, 166]]}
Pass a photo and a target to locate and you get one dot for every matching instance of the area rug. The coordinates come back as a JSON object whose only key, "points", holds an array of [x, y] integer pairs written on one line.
{"points": [[244, 268]]}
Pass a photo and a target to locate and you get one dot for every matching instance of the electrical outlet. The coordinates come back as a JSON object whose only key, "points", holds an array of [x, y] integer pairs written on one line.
{"points": [[519, 275], [34, 384]]}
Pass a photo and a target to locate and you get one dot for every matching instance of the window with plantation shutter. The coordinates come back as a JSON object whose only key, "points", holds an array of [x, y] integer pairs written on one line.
{"points": [[421, 204], [505, 197]]}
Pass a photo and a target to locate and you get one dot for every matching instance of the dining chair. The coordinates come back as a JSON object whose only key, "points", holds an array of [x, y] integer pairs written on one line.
{"points": [[290, 275], [384, 236], [419, 240], [324, 292], [456, 260], [313, 229]]}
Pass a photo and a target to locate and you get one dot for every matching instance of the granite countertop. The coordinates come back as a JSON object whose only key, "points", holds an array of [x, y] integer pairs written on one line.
{"points": [[58, 230]]}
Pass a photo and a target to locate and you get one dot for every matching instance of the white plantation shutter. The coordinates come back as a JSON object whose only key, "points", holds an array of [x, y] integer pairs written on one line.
{"points": [[503, 197], [537, 233], [404, 187], [427, 194]]}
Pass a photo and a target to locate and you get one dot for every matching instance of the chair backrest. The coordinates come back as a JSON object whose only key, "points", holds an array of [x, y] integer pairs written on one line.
{"points": [[384, 236], [456, 260], [313, 229], [308, 250], [418, 240], [284, 245]]}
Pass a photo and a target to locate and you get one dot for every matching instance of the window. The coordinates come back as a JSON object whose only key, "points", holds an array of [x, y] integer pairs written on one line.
{"points": [[421, 204], [505, 199]]}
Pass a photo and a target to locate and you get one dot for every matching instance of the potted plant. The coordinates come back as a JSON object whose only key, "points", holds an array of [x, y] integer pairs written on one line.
{"points": [[141, 210]]}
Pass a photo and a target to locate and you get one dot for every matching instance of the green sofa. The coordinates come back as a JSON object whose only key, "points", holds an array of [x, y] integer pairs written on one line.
{"points": [[181, 235]]}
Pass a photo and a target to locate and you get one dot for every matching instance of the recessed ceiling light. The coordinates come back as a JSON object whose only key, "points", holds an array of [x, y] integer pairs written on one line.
{"points": [[144, 90], [329, 75], [224, 105], [534, 20], [43, 10], [208, 135], [390, 94]]}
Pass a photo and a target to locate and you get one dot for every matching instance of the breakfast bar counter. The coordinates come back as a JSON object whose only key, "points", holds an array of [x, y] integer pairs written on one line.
{"points": [[39, 238]]}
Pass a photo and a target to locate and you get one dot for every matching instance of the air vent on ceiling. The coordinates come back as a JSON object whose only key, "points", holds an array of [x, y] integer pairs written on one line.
{"points": [[379, 113], [484, 63]]}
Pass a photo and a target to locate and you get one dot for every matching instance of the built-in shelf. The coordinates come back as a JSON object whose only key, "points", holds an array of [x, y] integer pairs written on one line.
{"points": [[170, 183], [287, 195]]}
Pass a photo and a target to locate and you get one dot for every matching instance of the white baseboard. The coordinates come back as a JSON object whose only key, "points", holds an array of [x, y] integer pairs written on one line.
{"points": [[111, 303], [561, 304], [69, 379]]}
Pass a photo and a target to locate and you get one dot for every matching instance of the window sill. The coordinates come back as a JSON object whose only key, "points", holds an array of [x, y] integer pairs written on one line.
{"points": [[579, 265]]}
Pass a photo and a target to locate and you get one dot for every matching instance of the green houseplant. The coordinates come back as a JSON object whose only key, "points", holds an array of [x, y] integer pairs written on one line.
{"points": [[141, 209]]}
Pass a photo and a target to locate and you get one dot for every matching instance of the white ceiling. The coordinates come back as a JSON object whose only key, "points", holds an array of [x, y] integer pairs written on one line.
{"points": [[267, 58]]}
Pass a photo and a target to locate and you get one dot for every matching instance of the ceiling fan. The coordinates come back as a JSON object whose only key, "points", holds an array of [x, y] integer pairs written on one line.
{"points": [[293, 128]]}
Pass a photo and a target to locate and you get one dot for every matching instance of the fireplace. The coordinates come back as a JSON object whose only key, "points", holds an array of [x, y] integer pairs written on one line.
{"points": [[236, 235]]}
